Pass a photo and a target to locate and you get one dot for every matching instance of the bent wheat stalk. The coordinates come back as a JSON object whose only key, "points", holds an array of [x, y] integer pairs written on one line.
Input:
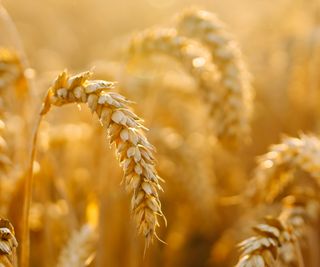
{"points": [[226, 55], [125, 130]]}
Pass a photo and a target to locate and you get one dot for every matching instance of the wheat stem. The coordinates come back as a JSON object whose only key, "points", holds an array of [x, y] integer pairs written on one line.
{"points": [[25, 239]]}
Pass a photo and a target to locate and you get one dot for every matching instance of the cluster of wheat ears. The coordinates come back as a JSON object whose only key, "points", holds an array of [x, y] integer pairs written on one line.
{"points": [[287, 177]]}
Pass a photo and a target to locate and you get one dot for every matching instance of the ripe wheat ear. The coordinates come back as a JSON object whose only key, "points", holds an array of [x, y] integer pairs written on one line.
{"points": [[8, 244], [125, 130]]}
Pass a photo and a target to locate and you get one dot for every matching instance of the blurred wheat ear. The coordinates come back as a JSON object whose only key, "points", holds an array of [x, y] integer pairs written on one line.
{"points": [[192, 56], [278, 239], [226, 90], [79, 250], [276, 169], [278, 175], [236, 107]]}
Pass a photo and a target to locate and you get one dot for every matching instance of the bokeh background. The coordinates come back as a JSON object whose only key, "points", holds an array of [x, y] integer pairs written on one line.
{"points": [[77, 177]]}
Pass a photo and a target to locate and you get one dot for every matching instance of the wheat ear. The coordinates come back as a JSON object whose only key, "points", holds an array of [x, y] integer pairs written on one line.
{"points": [[193, 57], [79, 250], [278, 238], [134, 152], [276, 168], [8, 243], [235, 81]]}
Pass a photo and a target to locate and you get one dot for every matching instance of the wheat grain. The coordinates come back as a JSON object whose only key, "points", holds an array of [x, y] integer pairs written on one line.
{"points": [[235, 81], [79, 250], [275, 170], [134, 151]]}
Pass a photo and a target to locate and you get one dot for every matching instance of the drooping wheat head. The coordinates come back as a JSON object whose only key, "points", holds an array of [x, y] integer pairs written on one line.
{"points": [[235, 80], [125, 130]]}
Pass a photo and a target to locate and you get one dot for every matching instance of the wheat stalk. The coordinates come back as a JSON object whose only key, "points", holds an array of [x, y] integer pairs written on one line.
{"points": [[134, 151], [278, 238], [193, 57], [79, 250], [226, 55], [275, 170]]}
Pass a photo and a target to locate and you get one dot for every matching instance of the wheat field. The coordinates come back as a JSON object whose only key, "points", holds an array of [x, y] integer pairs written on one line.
{"points": [[146, 133]]}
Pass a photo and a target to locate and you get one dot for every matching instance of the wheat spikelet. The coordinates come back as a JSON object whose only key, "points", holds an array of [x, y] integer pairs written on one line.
{"points": [[192, 56], [276, 168], [278, 238], [79, 250], [226, 55], [8, 243], [134, 151]]}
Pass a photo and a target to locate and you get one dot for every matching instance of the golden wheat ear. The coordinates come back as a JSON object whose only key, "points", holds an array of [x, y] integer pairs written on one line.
{"points": [[8, 243], [276, 169], [234, 77], [135, 153]]}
